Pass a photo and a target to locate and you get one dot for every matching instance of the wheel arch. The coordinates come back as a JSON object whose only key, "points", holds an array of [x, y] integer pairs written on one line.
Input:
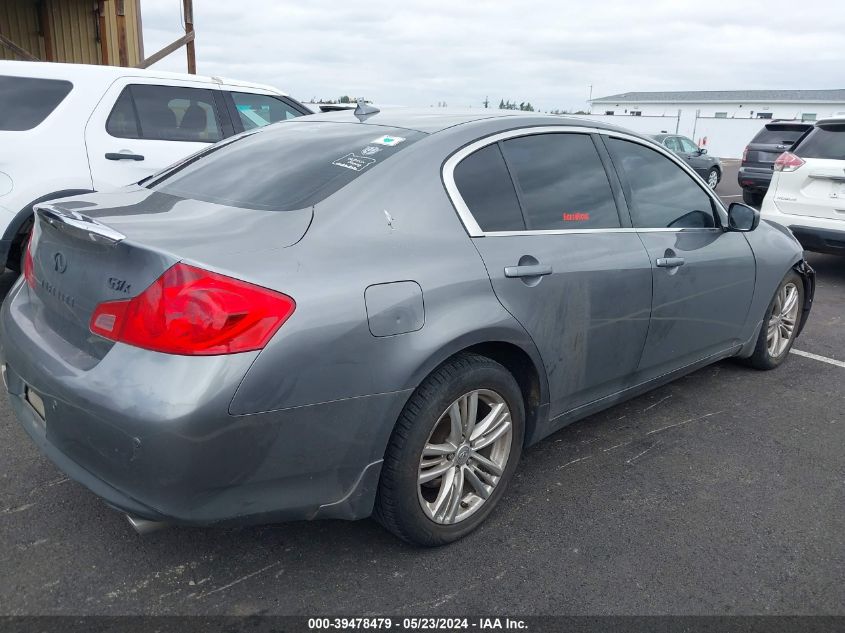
{"points": [[17, 230], [520, 357]]}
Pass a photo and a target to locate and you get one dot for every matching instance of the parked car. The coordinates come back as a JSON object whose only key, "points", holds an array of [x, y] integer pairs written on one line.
{"points": [[758, 158], [807, 193], [332, 318], [708, 167], [72, 128]]}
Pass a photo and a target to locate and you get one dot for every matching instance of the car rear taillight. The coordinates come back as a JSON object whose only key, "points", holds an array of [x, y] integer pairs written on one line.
{"points": [[788, 162], [745, 154], [28, 265], [194, 312]]}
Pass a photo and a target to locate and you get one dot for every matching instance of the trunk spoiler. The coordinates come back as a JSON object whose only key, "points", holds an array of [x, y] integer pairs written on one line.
{"points": [[69, 221]]}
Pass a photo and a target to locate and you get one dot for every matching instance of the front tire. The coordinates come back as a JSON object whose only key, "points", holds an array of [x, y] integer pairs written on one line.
{"points": [[780, 324], [713, 177], [452, 452]]}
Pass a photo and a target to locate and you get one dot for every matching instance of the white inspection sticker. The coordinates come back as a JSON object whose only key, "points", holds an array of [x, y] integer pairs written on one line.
{"points": [[390, 141], [353, 162]]}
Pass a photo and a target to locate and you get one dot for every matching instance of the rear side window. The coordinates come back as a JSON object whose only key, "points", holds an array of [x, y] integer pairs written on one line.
{"points": [[256, 111], [284, 167], [661, 194], [779, 134], [487, 189], [826, 141], [562, 182], [25, 102], [165, 113]]}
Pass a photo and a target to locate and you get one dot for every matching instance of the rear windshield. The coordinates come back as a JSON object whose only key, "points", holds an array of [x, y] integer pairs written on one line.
{"points": [[779, 134], [824, 142], [285, 166], [25, 102]]}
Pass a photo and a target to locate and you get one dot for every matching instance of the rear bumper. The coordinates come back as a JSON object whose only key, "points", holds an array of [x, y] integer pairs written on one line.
{"points": [[156, 440], [821, 235], [754, 178]]}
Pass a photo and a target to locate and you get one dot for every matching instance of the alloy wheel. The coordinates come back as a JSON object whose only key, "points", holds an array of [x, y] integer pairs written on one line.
{"points": [[782, 320], [713, 178], [465, 456]]}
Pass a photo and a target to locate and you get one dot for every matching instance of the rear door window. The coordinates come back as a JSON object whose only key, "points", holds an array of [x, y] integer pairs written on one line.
{"points": [[486, 187], [25, 101], [661, 194], [562, 182], [284, 167], [256, 110], [165, 113], [826, 142]]}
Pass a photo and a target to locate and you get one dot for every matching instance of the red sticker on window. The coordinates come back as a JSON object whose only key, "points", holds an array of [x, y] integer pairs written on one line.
{"points": [[576, 217]]}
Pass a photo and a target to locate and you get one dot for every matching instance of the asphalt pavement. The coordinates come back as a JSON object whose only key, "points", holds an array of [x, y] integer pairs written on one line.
{"points": [[721, 493]]}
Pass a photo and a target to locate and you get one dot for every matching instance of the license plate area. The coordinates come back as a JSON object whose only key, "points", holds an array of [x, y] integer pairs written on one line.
{"points": [[36, 402]]}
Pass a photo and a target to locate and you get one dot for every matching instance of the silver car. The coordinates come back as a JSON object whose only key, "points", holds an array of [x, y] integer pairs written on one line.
{"points": [[334, 317]]}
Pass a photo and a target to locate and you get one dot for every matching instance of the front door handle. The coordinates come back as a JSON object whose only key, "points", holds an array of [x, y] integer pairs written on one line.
{"points": [[670, 262], [122, 156], [537, 270]]}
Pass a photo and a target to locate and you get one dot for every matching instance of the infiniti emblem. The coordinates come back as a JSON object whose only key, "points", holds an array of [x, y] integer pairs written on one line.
{"points": [[59, 262]]}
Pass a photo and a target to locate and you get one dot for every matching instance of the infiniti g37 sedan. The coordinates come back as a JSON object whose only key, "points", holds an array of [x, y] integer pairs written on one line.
{"points": [[337, 318]]}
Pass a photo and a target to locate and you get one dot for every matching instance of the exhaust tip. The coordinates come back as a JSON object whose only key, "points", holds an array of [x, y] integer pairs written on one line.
{"points": [[144, 526]]}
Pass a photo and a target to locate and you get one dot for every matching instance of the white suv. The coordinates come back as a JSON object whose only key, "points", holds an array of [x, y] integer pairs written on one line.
{"points": [[807, 193], [70, 128]]}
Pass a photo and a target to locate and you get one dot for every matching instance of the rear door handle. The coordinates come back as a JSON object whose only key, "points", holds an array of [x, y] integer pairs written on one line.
{"points": [[122, 156], [537, 270], [670, 262]]}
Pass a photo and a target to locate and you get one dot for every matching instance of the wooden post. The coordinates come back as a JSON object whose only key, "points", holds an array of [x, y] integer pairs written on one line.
{"points": [[122, 50], [46, 31], [103, 32], [188, 6]]}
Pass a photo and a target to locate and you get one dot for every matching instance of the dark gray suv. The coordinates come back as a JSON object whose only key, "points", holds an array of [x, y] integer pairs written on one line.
{"points": [[330, 318]]}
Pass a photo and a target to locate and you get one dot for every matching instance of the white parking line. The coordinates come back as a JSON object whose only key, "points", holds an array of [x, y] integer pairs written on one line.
{"points": [[823, 359]]}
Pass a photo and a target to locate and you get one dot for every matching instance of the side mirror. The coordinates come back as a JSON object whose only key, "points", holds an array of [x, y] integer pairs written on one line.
{"points": [[702, 151], [742, 218]]}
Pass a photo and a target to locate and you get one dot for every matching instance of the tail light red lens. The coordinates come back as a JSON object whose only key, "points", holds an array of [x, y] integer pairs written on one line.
{"points": [[745, 154], [788, 162], [28, 265], [194, 312]]}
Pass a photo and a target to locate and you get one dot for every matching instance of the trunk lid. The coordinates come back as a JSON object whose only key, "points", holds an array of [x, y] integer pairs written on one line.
{"points": [[107, 247]]}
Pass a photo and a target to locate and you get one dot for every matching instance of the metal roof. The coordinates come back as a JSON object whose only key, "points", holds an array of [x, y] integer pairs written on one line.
{"points": [[727, 96]]}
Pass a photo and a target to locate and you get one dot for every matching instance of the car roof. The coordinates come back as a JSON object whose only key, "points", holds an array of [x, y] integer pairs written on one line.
{"points": [[101, 74], [432, 120], [839, 118]]}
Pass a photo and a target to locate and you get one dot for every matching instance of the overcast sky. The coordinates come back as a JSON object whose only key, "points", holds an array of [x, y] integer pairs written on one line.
{"points": [[415, 52]]}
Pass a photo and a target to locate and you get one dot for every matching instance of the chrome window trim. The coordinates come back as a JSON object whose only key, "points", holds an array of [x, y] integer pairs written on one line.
{"points": [[474, 230]]}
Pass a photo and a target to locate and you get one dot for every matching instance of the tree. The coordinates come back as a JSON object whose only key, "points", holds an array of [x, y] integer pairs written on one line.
{"points": [[502, 104], [486, 102], [345, 99]]}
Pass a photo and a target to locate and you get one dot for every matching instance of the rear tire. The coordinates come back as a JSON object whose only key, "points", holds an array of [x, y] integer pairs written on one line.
{"points": [[752, 198], [450, 505], [780, 324]]}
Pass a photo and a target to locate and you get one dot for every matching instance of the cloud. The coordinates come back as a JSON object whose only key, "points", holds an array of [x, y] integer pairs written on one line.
{"points": [[546, 52]]}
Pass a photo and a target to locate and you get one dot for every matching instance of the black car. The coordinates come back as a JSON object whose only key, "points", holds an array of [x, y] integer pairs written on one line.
{"points": [[708, 167], [760, 154]]}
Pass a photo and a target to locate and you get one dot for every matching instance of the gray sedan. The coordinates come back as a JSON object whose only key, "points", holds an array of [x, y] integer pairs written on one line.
{"points": [[333, 318], [708, 167]]}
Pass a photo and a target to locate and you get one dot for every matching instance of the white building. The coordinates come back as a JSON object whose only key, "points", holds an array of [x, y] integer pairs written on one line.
{"points": [[714, 118]]}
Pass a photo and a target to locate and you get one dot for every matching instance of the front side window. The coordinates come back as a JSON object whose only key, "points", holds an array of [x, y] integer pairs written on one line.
{"points": [[672, 143], [687, 146], [486, 187], [165, 113], [25, 101], [562, 182], [662, 195], [256, 111]]}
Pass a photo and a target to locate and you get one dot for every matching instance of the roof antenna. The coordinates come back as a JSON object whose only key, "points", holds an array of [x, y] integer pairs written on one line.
{"points": [[363, 110]]}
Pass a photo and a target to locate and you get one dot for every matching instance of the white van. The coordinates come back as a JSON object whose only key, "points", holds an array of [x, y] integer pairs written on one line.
{"points": [[72, 128]]}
